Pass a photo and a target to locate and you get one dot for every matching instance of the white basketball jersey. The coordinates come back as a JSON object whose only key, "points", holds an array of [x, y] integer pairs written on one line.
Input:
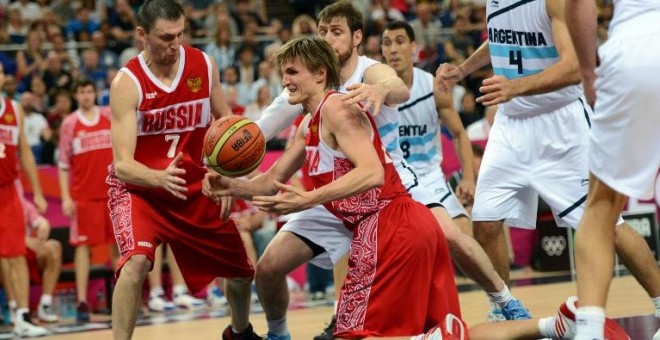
{"points": [[628, 9], [419, 125], [388, 118], [521, 44]]}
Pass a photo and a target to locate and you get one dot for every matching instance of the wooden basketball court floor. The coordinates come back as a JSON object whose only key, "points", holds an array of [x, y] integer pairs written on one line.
{"points": [[628, 304]]}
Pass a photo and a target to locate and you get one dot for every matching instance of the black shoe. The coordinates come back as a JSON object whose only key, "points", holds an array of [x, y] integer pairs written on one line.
{"points": [[247, 334], [82, 313], [328, 331]]}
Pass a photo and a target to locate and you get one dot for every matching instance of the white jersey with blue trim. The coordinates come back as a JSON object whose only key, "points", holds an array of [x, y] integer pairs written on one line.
{"points": [[521, 44], [419, 125], [387, 120], [628, 9]]}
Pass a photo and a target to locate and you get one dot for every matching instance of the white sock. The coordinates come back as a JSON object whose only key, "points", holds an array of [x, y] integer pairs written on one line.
{"points": [[501, 298], [19, 314], [46, 300], [278, 327], [547, 327], [12, 305], [180, 289], [656, 302], [156, 291], [590, 323]]}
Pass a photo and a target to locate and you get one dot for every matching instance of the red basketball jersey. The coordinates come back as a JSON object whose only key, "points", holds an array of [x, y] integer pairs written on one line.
{"points": [[173, 119], [9, 133], [86, 151], [325, 165]]}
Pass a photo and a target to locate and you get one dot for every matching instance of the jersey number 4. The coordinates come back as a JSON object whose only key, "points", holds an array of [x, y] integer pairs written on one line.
{"points": [[515, 58]]}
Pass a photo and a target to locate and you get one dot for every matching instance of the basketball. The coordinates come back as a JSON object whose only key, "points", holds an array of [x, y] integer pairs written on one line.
{"points": [[234, 146]]}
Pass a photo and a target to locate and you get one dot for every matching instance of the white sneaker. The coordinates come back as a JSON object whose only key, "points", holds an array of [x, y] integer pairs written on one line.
{"points": [[26, 329], [434, 333], [495, 315], [46, 313], [215, 297], [657, 335], [160, 303], [188, 301]]}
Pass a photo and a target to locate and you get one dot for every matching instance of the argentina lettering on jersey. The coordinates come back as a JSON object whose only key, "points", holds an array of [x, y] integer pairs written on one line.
{"points": [[521, 44], [419, 125], [387, 120]]}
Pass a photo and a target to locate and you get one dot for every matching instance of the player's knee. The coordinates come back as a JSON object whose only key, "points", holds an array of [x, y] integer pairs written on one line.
{"points": [[54, 250], [239, 282], [136, 268], [267, 270]]}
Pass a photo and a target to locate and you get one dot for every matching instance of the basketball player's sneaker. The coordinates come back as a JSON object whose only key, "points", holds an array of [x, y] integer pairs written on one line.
{"points": [[215, 297], [46, 313], [188, 301], [328, 331], [247, 334], [160, 303], [24, 328], [83, 312], [271, 336], [565, 322], [495, 315], [657, 335], [566, 326], [514, 310]]}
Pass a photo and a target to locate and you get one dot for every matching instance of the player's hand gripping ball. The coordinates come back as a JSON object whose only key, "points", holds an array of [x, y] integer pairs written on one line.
{"points": [[234, 146]]}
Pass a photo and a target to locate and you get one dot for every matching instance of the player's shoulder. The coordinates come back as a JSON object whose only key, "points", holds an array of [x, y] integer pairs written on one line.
{"points": [[71, 119]]}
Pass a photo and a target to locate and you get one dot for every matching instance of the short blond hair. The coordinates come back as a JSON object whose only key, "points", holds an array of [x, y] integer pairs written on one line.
{"points": [[315, 53]]}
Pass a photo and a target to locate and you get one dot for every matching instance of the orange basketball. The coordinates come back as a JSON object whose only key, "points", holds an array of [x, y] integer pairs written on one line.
{"points": [[234, 146]]}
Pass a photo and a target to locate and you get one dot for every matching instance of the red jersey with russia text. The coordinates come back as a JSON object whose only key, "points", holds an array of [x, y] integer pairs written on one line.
{"points": [[9, 136], [86, 151], [325, 165], [174, 118]]}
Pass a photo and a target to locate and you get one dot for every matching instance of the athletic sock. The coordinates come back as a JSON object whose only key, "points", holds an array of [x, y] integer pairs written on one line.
{"points": [[500, 298], [278, 327], [46, 300], [156, 292], [656, 303], [547, 327], [590, 323]]}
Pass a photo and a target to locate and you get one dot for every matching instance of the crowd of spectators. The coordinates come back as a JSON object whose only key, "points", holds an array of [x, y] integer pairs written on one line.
{"points": [[46, 44]]}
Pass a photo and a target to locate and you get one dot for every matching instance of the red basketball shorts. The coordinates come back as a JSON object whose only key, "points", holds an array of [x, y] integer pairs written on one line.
{"points": [[12, 222], [400, 280], [204, 247], [91, 223]]}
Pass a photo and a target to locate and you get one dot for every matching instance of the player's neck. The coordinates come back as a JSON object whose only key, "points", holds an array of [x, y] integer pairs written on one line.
{"points": [[312, 104], [348, 68], [164, 73], [89, 112], [407, 76]]}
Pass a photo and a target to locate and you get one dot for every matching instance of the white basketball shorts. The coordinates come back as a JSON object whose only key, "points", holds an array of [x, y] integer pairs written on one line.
{"points": [[625, 135]]}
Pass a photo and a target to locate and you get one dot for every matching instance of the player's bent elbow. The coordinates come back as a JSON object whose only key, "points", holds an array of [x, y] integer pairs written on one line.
{"points": [[377, 178]]}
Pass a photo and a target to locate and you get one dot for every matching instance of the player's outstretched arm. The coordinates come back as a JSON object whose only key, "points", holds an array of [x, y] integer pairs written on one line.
{"points": [[581, 19], [29, 165], [565, 72], [380, 86], [447, 74], [219, 106], [449, 117], [124, 103], [278, 116]]}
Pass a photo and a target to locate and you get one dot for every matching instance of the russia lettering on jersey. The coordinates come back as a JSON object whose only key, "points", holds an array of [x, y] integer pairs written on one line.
{"points": [[9, 137], [326, 165], [173, 118], [85, 147]]}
